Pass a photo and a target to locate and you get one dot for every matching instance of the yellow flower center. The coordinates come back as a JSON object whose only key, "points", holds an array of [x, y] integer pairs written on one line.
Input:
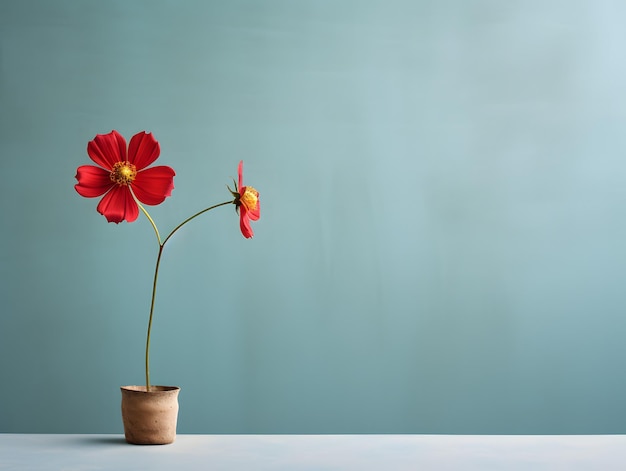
{"points": [[250, 198], [123, 173]]}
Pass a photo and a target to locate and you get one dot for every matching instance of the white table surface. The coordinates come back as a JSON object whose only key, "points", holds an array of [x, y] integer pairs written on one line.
{"points": [[316, 452]]}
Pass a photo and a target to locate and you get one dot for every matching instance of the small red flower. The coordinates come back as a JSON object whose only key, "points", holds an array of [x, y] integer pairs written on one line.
{"points": [[248, 205], [124, 171]]}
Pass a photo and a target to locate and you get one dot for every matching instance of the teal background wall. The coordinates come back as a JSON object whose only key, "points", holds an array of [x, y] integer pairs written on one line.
{"points": [[442, 241]]}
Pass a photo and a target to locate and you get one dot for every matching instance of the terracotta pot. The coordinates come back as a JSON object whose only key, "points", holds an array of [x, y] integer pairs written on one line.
{"points": [[150, 417]]}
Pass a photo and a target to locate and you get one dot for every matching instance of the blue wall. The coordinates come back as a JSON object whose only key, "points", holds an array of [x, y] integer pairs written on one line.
{"points": [[442, 244]]}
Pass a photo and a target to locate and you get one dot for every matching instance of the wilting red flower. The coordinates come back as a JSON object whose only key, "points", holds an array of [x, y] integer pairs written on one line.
{"points": [[122, 171], [248, 204]]}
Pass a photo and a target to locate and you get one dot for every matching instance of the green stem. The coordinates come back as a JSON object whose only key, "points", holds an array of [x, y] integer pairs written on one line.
{"points": [[154, 286], [156, 231], [195, 216], [156, 272]]}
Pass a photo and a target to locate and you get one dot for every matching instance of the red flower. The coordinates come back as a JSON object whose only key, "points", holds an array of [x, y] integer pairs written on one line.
{"points": [[248, 205], [123, 174]]}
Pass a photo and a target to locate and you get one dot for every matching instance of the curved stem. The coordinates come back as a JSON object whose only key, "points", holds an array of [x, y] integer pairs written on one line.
{"points": [[156, 231], [195, 216], [156, 273]]}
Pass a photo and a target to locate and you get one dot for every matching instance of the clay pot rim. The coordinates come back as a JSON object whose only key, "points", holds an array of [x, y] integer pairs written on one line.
{"points": [[154, 389]]}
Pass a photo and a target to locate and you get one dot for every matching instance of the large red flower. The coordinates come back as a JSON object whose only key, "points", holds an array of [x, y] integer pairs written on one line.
{"points": [[248, 205], [121, 171]]}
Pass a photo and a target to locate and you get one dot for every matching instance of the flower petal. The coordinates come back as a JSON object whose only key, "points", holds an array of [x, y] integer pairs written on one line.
{"points": [[107, 149], [153, 185], [255, 213], [143, 150], [92, 181], [118, 205], [240, 173], [244, 223]]}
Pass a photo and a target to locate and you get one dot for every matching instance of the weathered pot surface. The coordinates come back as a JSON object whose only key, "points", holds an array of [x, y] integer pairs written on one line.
{"points": [[150, 417]]}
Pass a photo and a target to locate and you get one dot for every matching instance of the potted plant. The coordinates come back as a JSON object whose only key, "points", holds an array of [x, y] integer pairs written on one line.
{"points": [[126, 182]]}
